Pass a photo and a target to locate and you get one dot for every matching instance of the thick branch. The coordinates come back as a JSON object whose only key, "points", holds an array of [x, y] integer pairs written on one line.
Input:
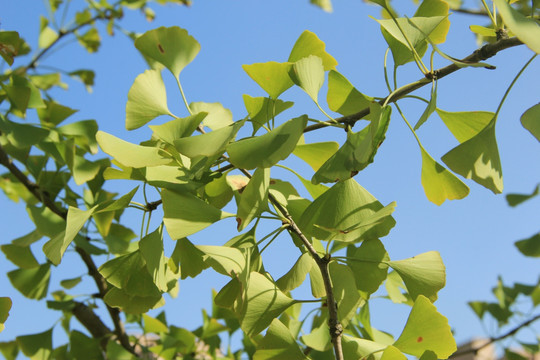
{"points": [[92, 323], [484, 53], [44, 198], [497, 338]]}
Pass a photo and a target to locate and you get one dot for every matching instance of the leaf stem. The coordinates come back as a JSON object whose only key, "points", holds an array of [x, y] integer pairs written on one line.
{"points": [[183, 95]]}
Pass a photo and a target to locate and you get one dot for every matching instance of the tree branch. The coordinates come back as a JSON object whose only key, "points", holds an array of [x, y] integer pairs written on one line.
{"points": [[484, 53], [496, 339]]}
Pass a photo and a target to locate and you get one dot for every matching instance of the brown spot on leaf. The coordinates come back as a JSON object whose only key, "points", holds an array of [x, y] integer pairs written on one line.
{"points": [[420, 339], [160, 48], [239, 222], [272, 182]]}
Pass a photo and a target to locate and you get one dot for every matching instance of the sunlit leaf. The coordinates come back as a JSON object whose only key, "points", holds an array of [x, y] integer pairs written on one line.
{"points": [[153, 325], [151, 249], [185, 214], [316, 154], [297, 274], [46, 34], [526, 29], [47, 223], [225, 260], [466, 124], [278, 343], [356, 348], [309, 44], [483, 31], [342, 97], [272, 76], [147, 99], [263, 303], [209, 144], [392, 353], [268, 149], [262, 109], [54, 113], [430, 8], [478, 159], [9, 45], [425, 330], [5, 306], [530, 246], [173, 47], [129, 154], [217, 117], [131, 304], [308, 73], [326, 5], [319, 338], [177, 128], [412, 34], [369, 260], [190, 258], [439, 183], [254, 198], [531, 120], [84, 133], [345, 292], [32, 283], [432, 105], [90, 40]]}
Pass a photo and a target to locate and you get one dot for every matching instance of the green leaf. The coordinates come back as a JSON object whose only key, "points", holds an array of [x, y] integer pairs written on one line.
{"points": [[223, 259], [36, 346], [278, 343], [209, 144], [76, 218], [128, 154], [316, 154], [84, 347], [147, 99], [430, 8], [342, 97], [9, 349], [23, 135], [401, 53], [32, 283], [173, 47], [414, 33], [20, 255], [131, 304], [47, 223], [317, 282], [423, 274], [151, 249], [46, 34], [326, 5], [531, 120], [516, 199], [347, 212], [309, 44], [54, 113], [439, 183], [345, 292], [185, 214], [530, 246], [425, 330], [177, 128], [263, 303], [483, 31], [355, 348], [5, 306], [432, 105], [217, 117], [526, 29], [272, 77], [262, 109], [297, 274], [85, 76], [318, 339], [9, 45], [90, 40], [190, 258], [478, 159], [153, 325], [370, 261], [70, 283], [268, 149], [84, 133], [308, 73], [465, 125], [254, 198]]}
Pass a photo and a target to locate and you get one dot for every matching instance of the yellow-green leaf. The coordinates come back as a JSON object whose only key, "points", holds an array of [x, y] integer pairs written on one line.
{"points": [[526, 29], [309, 44]]}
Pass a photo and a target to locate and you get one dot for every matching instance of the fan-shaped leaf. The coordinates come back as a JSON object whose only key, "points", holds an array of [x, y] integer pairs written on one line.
{"points": [[531, 120], [345, 292], [223, 259], [261, 109], [278, 343], [177, 128], [526, 29], [5, 306], [32, 283], [465, 125], [308, 73], [316, 154], [297, 274], [309, 44], [272, 76], [217, 117], [253, 199], [209, 144], [342, 97], [369, 260]]}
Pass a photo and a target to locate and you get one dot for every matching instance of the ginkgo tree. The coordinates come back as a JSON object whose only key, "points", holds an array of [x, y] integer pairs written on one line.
{"points": [[206, 166]]}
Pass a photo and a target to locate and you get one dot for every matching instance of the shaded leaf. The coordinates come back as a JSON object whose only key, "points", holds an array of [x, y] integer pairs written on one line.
{"points": [[356, 348], [153, 325], [131, 304], [309, 44], [526, 29], [84, 347], [32, 283], [278, 343], [225, 260], [345, 292], [37, 346], [268, 149], [530, 246], [531, 120], [147, 99], [151, 249], [262, 109], [516, 199], [5, 306], [20, 255], [432, 105], [316, 154], [297, 274], [370, 261], [172, 47], [272, 77], [319, 338], [254, 198], [190, 258], [342, 97], [177, 128], [308, 73], [9, 45], [217, 117], [425, 330], [414, 33]]}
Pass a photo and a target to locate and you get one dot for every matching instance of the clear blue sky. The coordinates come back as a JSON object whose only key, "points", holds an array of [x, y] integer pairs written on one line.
{"points": [[475, 236]]}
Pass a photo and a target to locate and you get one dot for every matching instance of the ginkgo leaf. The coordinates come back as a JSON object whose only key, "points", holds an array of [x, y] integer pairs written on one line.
{"points": [[369, 259], [412, 34], [129, 154], [526, 29], [19, 255], [345, 292], [151, 249], [218, 116], [147, 99], [131, 304], [253, 199], [173, 47], [262, 109], [342, 97], [5, 306], [297, 274], [318, 339], [531, 120], [435, 8], [84, 347], [272, 76], [478, 159], [209, 144], [278, 343], [465, 124], [530, 246], [308, 73], [36, 346], [343, 207], [423, 274], [439, 183], [268, 149], [309, 44], [225, 260], [186, 214], [263, 303], [32, 283], [316, 154], [177, 128], [356, 348], [153, 325], [190, 258], [426, 329], [432, 105]]}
